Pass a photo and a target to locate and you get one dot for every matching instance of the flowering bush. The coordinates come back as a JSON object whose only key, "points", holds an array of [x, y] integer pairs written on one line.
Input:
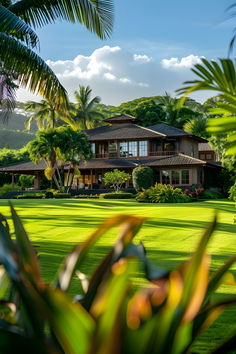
{"points": [[163, 193]]}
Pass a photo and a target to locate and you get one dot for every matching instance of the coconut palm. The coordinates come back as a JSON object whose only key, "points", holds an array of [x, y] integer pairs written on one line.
{"points": [[18, 39], [220, 78], [197, 126], [44, 114], [173, 114], [84, 113]]}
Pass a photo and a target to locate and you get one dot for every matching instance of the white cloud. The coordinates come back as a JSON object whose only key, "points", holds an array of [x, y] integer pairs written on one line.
{"points": [[184, 63], [142, 58], [118, 75]]}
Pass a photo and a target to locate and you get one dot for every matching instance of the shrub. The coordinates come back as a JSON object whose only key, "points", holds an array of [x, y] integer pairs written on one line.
{"points": [[62, 195], [166, 316], [87, 196], [120, 195], [163, 193], [212, 193], [7, 188], [232, 193], [26, 181], [49, 195], [142, 178]]}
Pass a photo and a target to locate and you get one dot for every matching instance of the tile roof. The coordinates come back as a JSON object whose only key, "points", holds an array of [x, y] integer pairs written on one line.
{"points": [[121, 132], [175, 160], [168, 130], [24, 167]]}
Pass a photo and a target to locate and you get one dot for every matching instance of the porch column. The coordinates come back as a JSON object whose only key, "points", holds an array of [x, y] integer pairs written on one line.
{"points": [[12, 182], [37, 181]]}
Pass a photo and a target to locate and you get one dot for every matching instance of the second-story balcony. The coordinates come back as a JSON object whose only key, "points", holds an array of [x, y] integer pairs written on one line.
{"points": [[114, 155]]}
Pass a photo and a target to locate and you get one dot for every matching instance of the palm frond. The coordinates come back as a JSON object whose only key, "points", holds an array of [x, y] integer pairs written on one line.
{"points": [[7, 95], [32, 71], [16, 27], [95, 15]]}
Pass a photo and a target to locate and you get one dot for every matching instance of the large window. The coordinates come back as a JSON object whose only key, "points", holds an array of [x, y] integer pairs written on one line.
{"points": [[124, 149], [165, 177], [133, 149], [175, 177], [185, 177], [112, 149], [143, 148]]}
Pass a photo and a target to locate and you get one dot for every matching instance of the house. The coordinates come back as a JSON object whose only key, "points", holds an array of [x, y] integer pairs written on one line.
{"points": [[173, 154]]}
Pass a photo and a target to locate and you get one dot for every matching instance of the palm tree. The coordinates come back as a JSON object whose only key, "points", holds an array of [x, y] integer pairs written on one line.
{"points": [[220, 78], [197, 126], [84, 113], [44, 114], [18, 39], [173, 114]]}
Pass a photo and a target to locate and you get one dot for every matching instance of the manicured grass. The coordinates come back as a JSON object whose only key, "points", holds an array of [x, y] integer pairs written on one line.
{"points": [[170, 235]]}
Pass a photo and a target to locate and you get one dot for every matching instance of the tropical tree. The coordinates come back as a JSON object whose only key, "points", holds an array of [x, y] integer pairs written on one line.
{"points": [[197, 126], [57, 146], [84, 113], [44, 114], [173, 114], [116, 178], [221, 78], [18, 38]]}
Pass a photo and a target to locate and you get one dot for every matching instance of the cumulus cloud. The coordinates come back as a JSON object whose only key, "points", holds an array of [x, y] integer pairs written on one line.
{"points": [[117, 75], [183, 63], [142, 58]]}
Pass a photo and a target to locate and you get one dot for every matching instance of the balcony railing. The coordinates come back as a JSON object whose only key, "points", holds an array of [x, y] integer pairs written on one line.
{"points": [[113, 155]]}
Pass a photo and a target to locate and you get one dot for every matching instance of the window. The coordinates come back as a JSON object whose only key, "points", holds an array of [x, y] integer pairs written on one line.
{"points": [[123, 149], [208, 157], [112, 149], [157, 177], [185, 177], [93, 148], [143, 148], [202, 156], [175, 177], [165, 177], [133, 148]]}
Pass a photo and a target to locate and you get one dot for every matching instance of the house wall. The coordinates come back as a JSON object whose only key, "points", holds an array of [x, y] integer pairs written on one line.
{"points": [[188, 147]]}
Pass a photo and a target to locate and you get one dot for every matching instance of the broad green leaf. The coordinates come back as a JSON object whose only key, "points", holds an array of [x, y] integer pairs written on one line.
{"points": [[130, 224], [71, 324], [216, 278]]}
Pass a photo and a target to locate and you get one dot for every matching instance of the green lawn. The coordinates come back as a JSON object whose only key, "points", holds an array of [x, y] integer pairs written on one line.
{"points": [[170, 235]]}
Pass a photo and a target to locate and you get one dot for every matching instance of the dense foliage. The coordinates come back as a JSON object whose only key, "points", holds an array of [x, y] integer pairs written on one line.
{"points": [[221, 78], [111, 315], [142, 178], [10, 156], [232, 193], [26, 181], [163, 193], [116, 179]]}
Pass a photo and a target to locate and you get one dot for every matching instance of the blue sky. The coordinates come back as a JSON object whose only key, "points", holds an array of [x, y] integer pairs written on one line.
{"points": [[154, 31]]}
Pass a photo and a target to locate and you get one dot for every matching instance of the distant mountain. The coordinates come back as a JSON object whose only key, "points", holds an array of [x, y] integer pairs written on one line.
{"points": [[12, 133]]}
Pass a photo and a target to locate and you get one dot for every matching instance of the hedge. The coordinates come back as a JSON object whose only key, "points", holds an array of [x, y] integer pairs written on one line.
{"points": [[115, 195]]}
